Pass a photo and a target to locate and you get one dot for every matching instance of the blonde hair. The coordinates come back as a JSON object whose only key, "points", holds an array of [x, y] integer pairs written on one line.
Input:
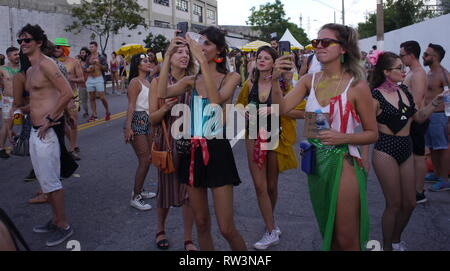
{"points": [[349, 41]]}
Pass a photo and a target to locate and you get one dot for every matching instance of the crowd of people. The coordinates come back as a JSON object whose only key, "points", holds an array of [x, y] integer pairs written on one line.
{"points": [[349, 100]]}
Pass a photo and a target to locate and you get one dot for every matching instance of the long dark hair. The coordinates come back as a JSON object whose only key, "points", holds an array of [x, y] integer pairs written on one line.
{"points": [[271, 52], [385, 61], [134, 66], [25, 63], [217, 37]]}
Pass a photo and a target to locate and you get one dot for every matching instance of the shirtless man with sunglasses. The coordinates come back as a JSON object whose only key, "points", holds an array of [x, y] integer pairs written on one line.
{"points": [[50, 93]]}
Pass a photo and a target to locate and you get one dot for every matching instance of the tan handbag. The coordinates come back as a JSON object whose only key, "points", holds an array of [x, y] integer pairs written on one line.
{"points": [[163, 160]]}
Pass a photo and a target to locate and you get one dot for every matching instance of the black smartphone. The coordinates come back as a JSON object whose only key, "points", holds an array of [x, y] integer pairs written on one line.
{"points": [[285, 48], [183, 29]]}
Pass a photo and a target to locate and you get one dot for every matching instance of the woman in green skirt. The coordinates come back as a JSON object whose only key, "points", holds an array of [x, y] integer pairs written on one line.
{"points": [[339, 92]]}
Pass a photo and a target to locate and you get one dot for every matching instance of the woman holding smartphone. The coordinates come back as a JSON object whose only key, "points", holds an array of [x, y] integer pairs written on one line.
{"points": [[209, 160], [338, 183], [265, 166]]}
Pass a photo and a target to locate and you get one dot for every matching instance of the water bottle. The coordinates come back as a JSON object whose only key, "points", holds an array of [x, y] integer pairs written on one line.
{"points": [[321, 121], [447, 101]]}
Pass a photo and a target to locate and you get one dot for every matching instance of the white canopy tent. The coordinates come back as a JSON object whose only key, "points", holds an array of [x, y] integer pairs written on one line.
{"points": [[289, 37]]}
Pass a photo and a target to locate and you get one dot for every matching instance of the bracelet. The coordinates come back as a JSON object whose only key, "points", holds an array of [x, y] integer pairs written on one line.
{"points": [[49, 119], [434, 104]]}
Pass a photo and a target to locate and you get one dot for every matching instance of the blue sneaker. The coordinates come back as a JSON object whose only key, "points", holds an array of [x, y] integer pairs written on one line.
{"points": [[431, 178], [440, 186]]}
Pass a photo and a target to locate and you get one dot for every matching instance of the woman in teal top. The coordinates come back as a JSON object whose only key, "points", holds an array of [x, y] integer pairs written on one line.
{"points": [[209, 163]]}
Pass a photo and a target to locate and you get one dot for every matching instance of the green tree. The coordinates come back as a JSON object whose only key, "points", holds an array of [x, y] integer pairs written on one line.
{"points": [[105, 18], [157, 44], [270, 18], [397, 14], [445, 7]]}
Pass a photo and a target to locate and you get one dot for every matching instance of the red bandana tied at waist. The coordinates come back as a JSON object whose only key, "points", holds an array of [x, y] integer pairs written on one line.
{"points": [[260, 155], [197, 142]]}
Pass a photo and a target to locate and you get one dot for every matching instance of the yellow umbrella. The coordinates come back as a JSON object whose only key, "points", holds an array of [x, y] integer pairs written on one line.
{"points": [[129, 50], [309, 47], [254, 46]]}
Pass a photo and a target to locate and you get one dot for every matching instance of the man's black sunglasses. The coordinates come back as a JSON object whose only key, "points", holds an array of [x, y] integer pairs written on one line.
{"points": [[28, 40]]}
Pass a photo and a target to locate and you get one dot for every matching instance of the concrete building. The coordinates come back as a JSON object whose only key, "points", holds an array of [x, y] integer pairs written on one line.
{"points": [[167, 13]]}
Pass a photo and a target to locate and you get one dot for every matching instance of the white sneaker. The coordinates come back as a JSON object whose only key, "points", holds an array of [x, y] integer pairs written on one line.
{"points": [[147, 194], [399, 246], [269, 239], [277, 229], [138, 203]]}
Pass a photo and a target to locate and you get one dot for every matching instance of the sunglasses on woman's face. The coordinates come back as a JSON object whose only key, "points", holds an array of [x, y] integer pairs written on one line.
{"points": [[325, 42], [401, 68], [27, 40]]}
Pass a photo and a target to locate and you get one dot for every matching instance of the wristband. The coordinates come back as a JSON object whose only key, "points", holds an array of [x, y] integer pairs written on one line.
{"points": [[434, 104], [49, 119]]}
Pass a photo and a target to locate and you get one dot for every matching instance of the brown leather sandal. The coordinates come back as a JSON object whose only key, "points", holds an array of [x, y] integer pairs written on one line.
{"points": [[164, 243]]}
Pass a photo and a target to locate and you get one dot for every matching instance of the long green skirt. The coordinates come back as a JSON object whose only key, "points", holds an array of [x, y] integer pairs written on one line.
{"points": [[324, 190]]}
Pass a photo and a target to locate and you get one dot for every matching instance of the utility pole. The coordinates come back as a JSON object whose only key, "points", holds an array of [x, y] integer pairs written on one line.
{"points": [[343, 12], [11, 22], [380, 25]]}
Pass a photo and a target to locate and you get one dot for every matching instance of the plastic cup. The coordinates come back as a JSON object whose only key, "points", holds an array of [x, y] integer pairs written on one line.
{"points": [[18, 118]]}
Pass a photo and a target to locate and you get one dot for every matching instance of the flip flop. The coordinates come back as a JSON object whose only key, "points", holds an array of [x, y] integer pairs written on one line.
{"points": [[164, 243], [187, 243], [42, 198]]}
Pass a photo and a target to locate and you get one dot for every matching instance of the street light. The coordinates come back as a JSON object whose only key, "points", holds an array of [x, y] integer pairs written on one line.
{"points": [[325, 4], [335, 9]]}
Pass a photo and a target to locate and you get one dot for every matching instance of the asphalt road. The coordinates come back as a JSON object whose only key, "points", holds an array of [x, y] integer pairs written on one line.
{"points": [[97, 202]]}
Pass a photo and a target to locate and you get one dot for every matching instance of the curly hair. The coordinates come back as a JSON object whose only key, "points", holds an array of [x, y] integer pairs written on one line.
{"points": [[36, 32]]}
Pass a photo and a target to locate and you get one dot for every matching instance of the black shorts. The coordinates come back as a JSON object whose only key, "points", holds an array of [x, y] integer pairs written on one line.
{"points": [[417, 133], [122, 72]]}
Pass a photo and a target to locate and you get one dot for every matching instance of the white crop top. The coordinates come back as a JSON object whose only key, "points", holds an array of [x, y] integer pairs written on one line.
{"points": [[142, 99]]}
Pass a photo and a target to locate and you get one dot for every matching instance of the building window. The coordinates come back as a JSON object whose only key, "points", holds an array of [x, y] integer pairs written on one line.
{"points": [[198, 11], [182, 5], [211, 14], [162, 2], [162, 24]]}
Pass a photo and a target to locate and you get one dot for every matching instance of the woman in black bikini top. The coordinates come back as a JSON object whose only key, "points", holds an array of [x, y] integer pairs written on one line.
{"points": [[392, 155]]}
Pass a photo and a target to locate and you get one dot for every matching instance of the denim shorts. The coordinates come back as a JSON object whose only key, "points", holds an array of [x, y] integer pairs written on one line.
{"points": [[436, 137], [95, 84]]}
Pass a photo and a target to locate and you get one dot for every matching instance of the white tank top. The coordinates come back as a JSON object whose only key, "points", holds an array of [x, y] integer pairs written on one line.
{"points": [[343, 117], [312, 104], [142, 99]]}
